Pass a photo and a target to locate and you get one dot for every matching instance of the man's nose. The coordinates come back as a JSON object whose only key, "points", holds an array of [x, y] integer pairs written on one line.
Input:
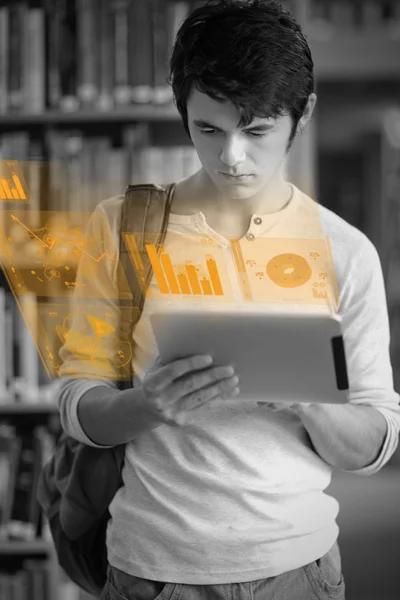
{"points": [[233, 152]]}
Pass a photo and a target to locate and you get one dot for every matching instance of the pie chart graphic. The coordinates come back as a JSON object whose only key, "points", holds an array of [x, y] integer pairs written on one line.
{"points": [[91, 348], [289, 270]]}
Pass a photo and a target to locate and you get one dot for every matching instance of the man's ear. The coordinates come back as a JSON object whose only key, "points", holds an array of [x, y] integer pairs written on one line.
{"points": [[307, 114]]}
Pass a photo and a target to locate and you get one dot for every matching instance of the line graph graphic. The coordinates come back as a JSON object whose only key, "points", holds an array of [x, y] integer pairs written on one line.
{"points": [[45, 258]]}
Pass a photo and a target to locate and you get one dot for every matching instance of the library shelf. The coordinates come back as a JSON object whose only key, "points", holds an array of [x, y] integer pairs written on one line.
{"points": [[10, 408], [145, 112], [26, 547]]}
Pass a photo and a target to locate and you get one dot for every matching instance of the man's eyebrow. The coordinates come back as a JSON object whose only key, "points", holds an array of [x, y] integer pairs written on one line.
{"points": [[260, 127]]}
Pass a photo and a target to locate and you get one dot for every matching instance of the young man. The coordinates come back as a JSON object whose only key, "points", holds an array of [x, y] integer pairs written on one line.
{"points": [[220, 498]]}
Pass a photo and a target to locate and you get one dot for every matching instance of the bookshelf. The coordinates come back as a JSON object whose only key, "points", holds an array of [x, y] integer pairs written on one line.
{"points": [[88, 114]]}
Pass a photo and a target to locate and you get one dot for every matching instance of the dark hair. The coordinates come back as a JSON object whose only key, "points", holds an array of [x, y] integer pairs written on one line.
{"points": [[250, 52]]}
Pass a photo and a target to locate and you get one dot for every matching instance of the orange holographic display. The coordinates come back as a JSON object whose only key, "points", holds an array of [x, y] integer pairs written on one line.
{"points": [[268, 270]]}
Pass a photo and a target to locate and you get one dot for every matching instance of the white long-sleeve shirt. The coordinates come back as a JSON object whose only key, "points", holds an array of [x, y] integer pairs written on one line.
{"points": [[239, 494]]}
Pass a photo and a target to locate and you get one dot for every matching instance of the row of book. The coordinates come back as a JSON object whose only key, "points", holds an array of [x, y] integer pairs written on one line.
{"points": [[72, 171], [65, 54], [29, 582], [355, 15], [23, 377], [23, 453]]}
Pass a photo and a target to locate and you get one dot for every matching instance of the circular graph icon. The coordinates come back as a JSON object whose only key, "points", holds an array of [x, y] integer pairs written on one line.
{"points": [[289, 270]]}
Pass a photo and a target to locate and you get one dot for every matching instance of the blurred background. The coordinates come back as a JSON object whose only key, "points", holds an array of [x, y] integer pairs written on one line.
{"points": [[85, 110]]}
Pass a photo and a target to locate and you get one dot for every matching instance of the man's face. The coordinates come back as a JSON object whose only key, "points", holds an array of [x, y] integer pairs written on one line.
{"points": [[255, 152]]}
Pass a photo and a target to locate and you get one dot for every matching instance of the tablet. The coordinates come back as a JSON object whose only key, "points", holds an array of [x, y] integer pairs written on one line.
{"points": [[278, 357]]}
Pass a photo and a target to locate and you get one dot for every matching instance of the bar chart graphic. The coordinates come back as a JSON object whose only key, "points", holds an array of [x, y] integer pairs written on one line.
{"points": [[197, 276], [12, 184]]}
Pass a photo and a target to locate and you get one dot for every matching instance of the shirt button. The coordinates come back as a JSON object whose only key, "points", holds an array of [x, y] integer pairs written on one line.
{"points": [[250, 236], [258, 221]]}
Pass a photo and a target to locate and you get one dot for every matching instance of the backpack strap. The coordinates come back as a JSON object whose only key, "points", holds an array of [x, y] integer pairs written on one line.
{"points": [[145, 211]]}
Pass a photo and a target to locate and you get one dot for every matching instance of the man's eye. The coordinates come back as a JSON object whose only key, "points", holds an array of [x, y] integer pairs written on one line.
{"points": [[212, 131]]}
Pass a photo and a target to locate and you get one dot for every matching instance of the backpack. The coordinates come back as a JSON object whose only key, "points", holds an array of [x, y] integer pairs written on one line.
{"points": [[77, 485]]}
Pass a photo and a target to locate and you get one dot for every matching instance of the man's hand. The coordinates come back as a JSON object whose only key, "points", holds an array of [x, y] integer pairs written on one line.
{"points": [[173, 393]]}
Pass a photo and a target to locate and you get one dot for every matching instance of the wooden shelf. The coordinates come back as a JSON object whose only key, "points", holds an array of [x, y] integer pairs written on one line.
{"points": [[147, 112], [22, 547], [9, 408]]}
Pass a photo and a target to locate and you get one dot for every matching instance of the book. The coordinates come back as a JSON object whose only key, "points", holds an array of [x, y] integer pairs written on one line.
{"points": [[3, 348], [34, 170], [4, 49], [10, 448], [106, 67], [88, 21], [38, 576], [68, 57], [159, 10], [27, 333], [9, 341], [73, 145], [53, 30], [34, 59], [140, 52], [120, 19], [342, 15], [24, 517], [16, 18]]}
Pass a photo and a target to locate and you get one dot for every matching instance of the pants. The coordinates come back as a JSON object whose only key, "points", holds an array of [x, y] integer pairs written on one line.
{"points": [[319, 580]]}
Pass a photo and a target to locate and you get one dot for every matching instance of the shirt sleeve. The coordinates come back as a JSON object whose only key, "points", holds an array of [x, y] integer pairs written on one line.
{"points": [[366, 335], [94, 352]]}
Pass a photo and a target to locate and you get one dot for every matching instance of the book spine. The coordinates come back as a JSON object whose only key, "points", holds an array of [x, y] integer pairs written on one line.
{"points": [[35, 179], [87, 51], [73, 149], [13, 452], [53, 32], [122, 88], [9, 327], [17, 12], [3, 347], [342, 15], [106, 57], [34, 63], [177, 11], [4, 49], [29, 358], [102, 154], [68, 55], [159, 21], [371, 14], [20, 525], [38, 577], [140, 52]]}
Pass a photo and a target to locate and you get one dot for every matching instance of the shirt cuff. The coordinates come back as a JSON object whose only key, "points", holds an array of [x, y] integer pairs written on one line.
{"points": [[69, 396], [389, 446]]}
